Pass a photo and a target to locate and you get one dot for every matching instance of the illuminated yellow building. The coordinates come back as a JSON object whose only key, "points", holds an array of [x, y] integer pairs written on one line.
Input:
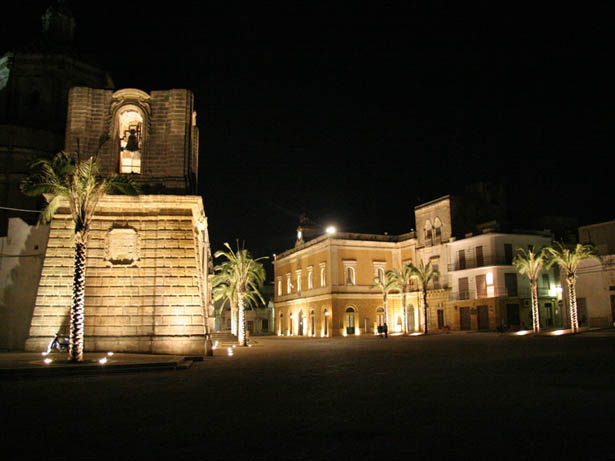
{"points": [[324, 287]]}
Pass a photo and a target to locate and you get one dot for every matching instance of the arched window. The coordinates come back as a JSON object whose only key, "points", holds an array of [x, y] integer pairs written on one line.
{"points": [[437, 230], [350, 276], [129, 123], [130, 132], [427, 231], [380, 273]]}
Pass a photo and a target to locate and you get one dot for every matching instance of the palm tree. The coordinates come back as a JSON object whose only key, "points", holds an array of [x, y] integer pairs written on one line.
{"points": [[243, 277], [424, 274], [531, 263], [224, 290], [385, 284], [569, 261], [67, 178], [403, 281]]}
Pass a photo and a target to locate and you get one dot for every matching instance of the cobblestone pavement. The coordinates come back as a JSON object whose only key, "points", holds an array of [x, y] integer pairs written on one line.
{"points": [[448, 396]]}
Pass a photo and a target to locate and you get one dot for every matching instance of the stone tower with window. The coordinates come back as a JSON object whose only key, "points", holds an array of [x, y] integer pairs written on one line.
{"points": [[151, 136], [148, 255]]}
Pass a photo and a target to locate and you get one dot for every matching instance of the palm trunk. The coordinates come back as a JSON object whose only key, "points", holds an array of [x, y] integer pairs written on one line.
{"points": [[535, 310], [403, 301], [572, 295], [241, 334], [233, 319], [386, 310], [425, 308], [75, 348]]}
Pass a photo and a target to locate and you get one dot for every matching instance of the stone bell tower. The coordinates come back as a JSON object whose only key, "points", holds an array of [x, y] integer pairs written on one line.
{"points": [[148, 255], [153, 137]]}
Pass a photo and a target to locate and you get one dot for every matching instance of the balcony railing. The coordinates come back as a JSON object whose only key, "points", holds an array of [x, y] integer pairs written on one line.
{"points": [[486, 260], [495, 292]]}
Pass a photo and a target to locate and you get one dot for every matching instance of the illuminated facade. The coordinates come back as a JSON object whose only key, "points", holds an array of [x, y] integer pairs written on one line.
{"points": [[596, 280], [487, 291], [324, 286], [148, 256]]}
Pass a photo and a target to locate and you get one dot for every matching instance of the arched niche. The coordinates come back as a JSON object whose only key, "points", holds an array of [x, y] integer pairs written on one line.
{"points": [[130, 115]]}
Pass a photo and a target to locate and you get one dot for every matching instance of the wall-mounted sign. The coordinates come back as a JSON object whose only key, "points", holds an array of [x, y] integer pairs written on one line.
{"points": [[122, 246]]}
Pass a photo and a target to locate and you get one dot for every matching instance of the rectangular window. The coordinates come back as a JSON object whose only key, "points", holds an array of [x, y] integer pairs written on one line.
{"points": [[379, 269], [288, 284], [481, 286], [440, 318], [508, 253], [480, 261], [461, 258], [279, 287], [510, 279], [436, 279], [323, 274], [464, 288], [298, 280], [265, 325]]}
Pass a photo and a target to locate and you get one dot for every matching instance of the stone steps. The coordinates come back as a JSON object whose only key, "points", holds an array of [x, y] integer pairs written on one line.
{"points": [[225, 339]]}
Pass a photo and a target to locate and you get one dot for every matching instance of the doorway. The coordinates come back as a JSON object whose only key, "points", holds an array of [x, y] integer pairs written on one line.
{"points": [[300, 332], [465, 322], [483, 317], [512, 316], [350, 321]]}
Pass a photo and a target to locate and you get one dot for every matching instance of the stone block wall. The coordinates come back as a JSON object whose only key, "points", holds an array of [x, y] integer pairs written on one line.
{"points": [[169, 157], [149, 300]]}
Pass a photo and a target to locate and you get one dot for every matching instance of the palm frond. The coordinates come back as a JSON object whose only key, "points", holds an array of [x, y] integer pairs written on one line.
{"points": [[529, 262]]}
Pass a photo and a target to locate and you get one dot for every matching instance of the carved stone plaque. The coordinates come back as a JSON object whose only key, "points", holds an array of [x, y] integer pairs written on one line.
{"points": [[122, 246]]}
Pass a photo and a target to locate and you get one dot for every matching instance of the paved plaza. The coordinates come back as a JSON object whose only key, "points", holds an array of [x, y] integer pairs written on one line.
{"points": [[445, 396]]}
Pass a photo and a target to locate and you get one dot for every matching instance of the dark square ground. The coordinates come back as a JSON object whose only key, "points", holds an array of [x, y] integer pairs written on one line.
{"points": [[450, 396]]}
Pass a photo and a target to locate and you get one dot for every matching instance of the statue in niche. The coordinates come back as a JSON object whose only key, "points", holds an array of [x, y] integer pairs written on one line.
{"points": [[131, 142]]}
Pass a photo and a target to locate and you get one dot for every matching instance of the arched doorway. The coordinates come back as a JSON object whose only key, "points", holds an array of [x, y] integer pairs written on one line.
{"points": [[312, 324], [411, 318], [350, 321], [300, 322], [326, 321], [290, 324], [380, 316]]}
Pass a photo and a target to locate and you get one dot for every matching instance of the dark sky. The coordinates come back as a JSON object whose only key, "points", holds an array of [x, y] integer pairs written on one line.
{"points": [[356, 116]]}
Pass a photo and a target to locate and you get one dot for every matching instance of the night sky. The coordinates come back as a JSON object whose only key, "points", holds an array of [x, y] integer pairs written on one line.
{"points": [[355, 116]]}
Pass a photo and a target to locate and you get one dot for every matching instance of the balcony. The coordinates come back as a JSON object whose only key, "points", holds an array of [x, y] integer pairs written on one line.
{"points": [[496, 292], [486, 260]]}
